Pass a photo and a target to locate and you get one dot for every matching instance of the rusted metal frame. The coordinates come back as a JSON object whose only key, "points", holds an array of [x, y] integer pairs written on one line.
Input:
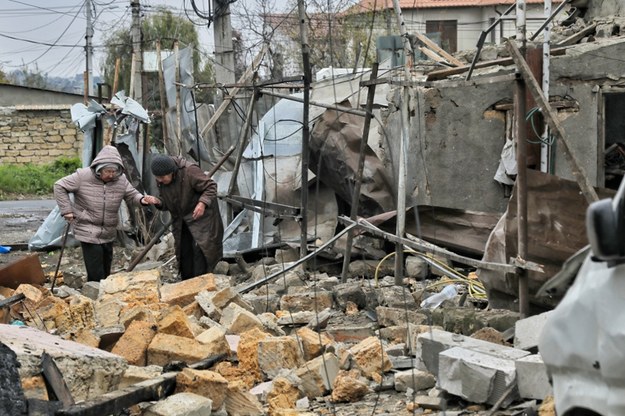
{"points": [[361, 165], [482, 39], [297, 263], [145, 391], [578, 171], [242, 142], [418, 244], [276, 210]]}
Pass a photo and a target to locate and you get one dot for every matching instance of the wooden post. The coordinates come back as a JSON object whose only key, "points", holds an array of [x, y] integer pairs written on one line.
{"points": [[361, 165], [176, 142], [161, 91]]}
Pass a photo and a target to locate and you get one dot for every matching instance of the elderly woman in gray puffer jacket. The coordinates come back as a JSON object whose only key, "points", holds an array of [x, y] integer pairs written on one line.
{"points": [[98, 193]]}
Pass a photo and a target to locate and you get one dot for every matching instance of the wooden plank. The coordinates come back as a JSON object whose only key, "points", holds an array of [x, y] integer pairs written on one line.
{"points": [[12, 300], [552, 119], [226, 103], [573, 39], [149, 390], [442, 52], [444, 73], [54, 378], [432, 55]]}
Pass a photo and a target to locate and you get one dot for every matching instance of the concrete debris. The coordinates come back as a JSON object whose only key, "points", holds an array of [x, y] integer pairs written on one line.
{"points": [[322, 345]]}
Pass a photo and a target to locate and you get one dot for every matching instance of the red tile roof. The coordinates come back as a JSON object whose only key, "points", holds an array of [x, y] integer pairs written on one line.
{"points": [[429, 4]]}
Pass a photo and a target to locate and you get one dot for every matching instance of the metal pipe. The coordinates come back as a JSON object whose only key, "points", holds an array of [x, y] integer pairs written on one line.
{"points": [[545, 147], [550, 16]]}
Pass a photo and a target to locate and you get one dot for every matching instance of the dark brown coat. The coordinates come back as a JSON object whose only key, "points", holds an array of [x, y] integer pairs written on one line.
{"points": [[189, 186]]}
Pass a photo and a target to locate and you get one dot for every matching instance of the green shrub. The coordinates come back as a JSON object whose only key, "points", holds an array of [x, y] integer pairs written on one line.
{"points": [[30, 179]]}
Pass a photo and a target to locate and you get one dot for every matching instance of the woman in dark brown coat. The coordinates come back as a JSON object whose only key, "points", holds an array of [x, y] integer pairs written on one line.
{"points": [[98, 193], [191, 198]]}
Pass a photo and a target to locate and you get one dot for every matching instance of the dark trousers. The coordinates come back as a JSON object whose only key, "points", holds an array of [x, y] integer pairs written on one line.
{"points": [[192, 260], [98, 260]]}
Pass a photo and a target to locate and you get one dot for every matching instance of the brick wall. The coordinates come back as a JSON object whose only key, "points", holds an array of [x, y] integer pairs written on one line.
{"points": [[37, 136]]}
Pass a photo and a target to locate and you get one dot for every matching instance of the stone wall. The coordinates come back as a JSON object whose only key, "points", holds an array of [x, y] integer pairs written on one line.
{"points": [[37, 136]]}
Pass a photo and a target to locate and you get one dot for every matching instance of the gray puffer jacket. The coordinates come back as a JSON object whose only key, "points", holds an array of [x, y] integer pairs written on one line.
{"points": [[96, 203]]}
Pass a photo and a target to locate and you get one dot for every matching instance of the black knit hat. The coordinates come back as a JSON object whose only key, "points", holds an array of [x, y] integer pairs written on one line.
{"points": [[163, 165]]}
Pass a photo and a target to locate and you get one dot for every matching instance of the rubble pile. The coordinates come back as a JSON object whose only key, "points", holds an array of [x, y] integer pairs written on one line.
{"points": [[302, 344]]}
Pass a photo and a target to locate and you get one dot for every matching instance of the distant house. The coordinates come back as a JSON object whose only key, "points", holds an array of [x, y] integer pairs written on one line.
{"points": [[458, 24], [455, 25], [36, 125]]}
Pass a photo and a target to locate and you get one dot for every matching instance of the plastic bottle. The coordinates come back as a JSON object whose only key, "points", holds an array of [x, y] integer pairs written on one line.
{"points": [[434, 301]]}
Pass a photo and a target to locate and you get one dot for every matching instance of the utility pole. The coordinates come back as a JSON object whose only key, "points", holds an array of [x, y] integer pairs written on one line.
{"points": [[89, 51], [224, 50], [137, 59]]}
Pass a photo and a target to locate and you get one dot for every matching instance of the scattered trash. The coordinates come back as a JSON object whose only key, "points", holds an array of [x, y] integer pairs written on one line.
{"points": [[4, 249], [434, 301]]}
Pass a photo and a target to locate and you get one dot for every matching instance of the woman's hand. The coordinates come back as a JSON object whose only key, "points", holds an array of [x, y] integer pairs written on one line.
{"points": [[199, 210]]}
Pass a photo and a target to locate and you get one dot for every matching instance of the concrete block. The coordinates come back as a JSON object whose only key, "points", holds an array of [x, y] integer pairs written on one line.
{"points": [[205, 383], [136, 374], [295, 318], [215, 339], [175, 322], [184, 292], [181, 404], [91, 290], [414, 379], [371, 358], [133, 345], [318, 375], [312, 344], [476, 376], [165, 348], [527, 331], [88, 372], [237, 320], [532, 377], [351, 333], [431, 343], [349, 387], [399, 317], [276, 354], [307, 301]]}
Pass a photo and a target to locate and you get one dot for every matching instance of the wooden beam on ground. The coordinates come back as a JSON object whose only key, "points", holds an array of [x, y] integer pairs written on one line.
{"points": [[54, 379], [552, 119], [145, 391], [573, 39], [442, 52], [423, 246]]}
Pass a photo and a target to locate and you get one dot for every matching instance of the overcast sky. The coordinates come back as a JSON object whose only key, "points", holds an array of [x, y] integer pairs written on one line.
{"points": [[50, 34]]}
